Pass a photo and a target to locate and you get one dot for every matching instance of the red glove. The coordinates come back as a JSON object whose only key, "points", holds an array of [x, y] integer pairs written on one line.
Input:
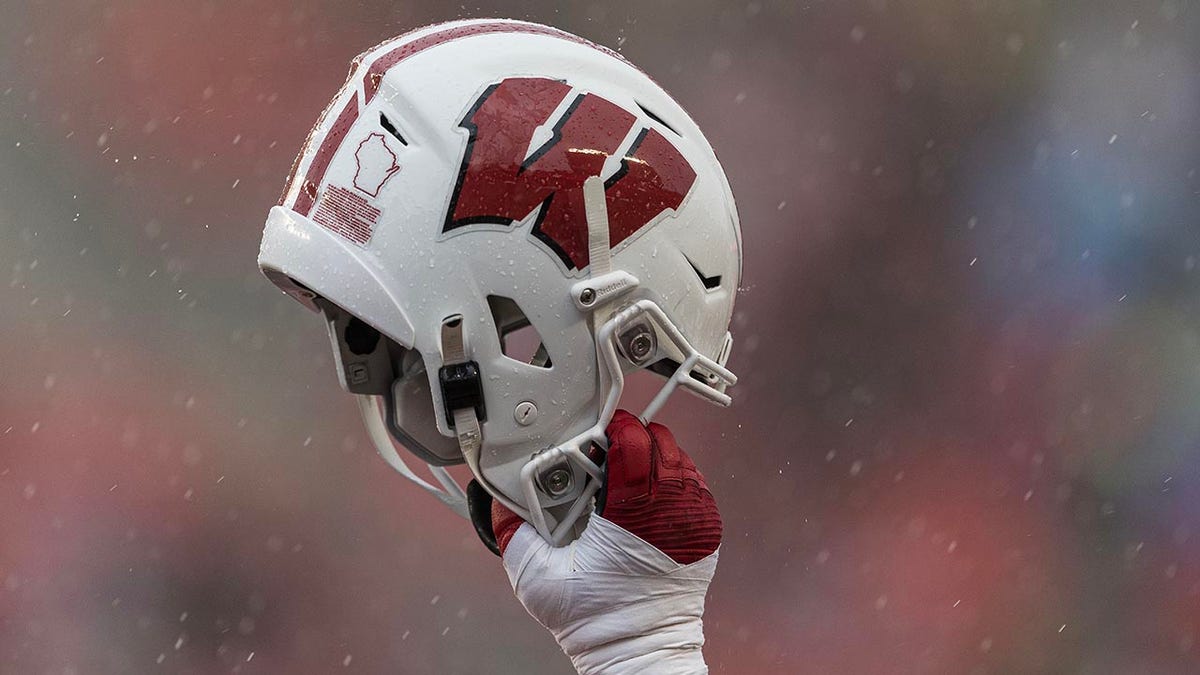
{"points": [[627, 596], [654, 489]]}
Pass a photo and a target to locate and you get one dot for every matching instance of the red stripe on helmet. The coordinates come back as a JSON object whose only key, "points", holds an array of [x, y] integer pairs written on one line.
{"points": [[371, 81], [320, 162]]}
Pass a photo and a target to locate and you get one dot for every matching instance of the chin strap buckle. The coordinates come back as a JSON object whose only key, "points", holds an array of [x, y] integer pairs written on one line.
{"points": [[462, 390]]}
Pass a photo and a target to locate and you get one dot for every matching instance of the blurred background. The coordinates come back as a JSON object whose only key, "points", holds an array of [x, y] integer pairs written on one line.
{"points": [[966, 438]]}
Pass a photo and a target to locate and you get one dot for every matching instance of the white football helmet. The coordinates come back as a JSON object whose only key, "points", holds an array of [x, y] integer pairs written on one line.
{"points": [[476, 178]]}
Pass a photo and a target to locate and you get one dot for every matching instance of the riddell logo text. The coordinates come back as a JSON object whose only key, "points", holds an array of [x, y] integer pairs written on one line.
{"points": [[499, 184]]}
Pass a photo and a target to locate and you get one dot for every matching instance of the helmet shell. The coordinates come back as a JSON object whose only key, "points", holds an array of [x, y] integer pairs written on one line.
{"points": [[404, 208]]}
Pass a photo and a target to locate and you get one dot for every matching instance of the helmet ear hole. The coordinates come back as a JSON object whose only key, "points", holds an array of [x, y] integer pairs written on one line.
{"points": [[524, 344], [519, 339]]}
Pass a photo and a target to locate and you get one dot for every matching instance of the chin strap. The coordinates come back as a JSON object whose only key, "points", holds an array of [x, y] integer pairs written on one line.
{"points": [[604, 284], [456, 369], [462, 396]]}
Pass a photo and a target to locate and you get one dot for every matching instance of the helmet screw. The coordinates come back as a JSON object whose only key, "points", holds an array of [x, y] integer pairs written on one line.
{"points": [[639, 346], [556, 481], [525, 413], [638, 343], [587, 296]]}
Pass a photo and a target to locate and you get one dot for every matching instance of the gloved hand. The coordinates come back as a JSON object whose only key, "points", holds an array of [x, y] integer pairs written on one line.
{"points": [[627, 596]]}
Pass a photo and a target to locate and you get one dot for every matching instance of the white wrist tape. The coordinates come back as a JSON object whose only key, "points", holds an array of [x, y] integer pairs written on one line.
{"points": [[615, 604]]}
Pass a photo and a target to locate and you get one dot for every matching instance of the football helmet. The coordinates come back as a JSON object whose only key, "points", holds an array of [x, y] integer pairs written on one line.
{"points": [[499, 221]]}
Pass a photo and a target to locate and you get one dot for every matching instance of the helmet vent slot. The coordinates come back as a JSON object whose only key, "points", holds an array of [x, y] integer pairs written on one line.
{"points": [[519, 340], [391, 128], [361, 338], [709, 282], [658, 119]]}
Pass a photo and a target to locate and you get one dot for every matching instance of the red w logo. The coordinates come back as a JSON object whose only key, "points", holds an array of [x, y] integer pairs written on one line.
{"points": [[498, 184]]}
